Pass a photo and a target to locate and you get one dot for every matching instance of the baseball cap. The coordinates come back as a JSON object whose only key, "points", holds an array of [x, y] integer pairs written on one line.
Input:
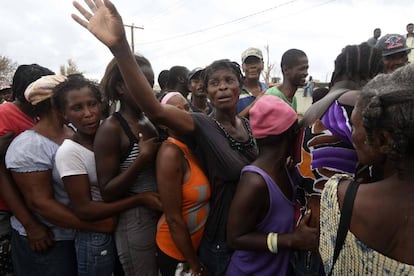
{"points": [[194, 72], [251, 52], [270, 115], [391, 44], [5, 85]]}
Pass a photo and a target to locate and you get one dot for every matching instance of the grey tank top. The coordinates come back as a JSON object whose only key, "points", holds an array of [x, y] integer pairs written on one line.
{"points": [[145, 180]]}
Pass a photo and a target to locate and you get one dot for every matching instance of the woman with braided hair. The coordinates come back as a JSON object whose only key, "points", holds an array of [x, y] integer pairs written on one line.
{"points": [[379, 240], [326, 147]]}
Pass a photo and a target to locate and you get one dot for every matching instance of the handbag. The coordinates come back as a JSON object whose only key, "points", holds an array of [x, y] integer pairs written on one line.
{"points": [[344, 221]]}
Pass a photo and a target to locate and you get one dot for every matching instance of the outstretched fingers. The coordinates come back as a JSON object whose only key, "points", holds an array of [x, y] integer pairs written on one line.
{"points": [[86, 14]]}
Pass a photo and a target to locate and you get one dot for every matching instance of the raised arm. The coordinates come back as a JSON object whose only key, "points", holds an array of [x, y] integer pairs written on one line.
{"points": [[106, 24]]}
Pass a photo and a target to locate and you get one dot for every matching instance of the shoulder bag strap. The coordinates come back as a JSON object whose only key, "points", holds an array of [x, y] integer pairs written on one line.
{"points": [[345, 220]]}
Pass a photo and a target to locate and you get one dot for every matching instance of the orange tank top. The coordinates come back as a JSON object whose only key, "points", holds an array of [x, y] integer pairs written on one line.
{"points": [[195, 206]]}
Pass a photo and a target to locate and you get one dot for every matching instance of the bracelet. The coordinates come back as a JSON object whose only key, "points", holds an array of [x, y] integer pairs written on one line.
{"points": [[272, 242]]}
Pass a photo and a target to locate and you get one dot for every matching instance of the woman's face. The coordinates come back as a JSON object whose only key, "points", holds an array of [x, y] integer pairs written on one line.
{"points": [[83, 110], [368, 153], [223, 89]]}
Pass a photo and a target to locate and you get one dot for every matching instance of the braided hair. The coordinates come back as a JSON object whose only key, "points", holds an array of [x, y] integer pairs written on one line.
{"points": [[361, 62], [388, 105]]}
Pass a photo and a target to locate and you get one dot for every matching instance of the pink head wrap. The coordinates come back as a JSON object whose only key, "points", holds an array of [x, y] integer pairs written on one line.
{"points": [[168, 96], [270, 115]]}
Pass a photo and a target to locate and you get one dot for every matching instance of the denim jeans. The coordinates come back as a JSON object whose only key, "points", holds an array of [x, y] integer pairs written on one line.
{"points": [[96, 253], [215, 256], [58, 260]]}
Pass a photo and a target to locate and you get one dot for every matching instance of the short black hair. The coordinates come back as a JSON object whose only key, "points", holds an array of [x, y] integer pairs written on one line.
{"points": [[290, 58], [175, 73], [163, 79]]}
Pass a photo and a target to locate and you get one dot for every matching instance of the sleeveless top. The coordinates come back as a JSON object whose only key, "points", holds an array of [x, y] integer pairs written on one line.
{"points": [[355, 258], [195, 206], [279, 219], [145, 180]]}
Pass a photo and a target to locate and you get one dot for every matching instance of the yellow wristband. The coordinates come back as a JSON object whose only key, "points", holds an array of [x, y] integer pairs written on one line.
{"points": [[269, 242], [274, 243]]}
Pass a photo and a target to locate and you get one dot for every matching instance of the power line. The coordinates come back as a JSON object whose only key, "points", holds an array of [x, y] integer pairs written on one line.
{"points": [[244, 29], [219, 25]]}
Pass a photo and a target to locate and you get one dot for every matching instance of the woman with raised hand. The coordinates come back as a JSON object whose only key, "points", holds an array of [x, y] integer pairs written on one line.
{"points": [[224, 141], [379, 237], [31, 160], [185, 192]]}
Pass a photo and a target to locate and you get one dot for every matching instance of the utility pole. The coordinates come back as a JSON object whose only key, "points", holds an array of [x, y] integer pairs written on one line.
{"points": [[132, 26]]}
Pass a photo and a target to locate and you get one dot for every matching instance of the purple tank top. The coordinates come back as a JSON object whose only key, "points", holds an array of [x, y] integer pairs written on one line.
{"points": [[279, 219]]}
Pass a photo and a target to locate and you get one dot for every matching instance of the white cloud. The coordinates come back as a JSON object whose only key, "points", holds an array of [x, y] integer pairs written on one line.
{"points": [[43, 32]]}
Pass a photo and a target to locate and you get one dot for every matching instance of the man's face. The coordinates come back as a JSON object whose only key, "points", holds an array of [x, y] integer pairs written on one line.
{"points": [[410, 28], [377, 33], [297, 73], [252, 67], [395, 61], [195, 85]]}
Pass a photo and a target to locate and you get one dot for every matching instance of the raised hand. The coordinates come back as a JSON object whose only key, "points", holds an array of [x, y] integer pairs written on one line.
{"points": [[103, 21]]}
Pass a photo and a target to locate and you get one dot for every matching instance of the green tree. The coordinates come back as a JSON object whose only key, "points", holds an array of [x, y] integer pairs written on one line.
{"points": [[7, 68]]}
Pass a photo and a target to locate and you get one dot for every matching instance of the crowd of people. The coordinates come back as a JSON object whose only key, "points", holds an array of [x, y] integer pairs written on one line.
{"points": [[215, 174]]}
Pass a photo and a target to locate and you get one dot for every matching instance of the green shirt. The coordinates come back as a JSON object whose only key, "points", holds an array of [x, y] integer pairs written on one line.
{"points": [[274, 91]]}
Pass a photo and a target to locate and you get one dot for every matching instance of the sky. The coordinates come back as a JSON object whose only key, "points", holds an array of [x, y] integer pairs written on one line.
{"points": [[194, 33]]}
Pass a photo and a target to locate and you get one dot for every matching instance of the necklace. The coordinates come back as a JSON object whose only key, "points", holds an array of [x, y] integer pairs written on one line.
{"points": [[248, 145]]}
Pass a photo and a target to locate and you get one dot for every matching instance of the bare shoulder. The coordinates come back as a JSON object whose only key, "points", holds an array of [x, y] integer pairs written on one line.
{"points": [[147, 128], [342, 187], [169, 151], [108, 132], [252, 182], [349, 98]]}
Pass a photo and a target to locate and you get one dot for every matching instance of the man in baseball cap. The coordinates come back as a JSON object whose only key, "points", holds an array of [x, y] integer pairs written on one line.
{"points": [[394, 51], [252, 66], [199, 101]]}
